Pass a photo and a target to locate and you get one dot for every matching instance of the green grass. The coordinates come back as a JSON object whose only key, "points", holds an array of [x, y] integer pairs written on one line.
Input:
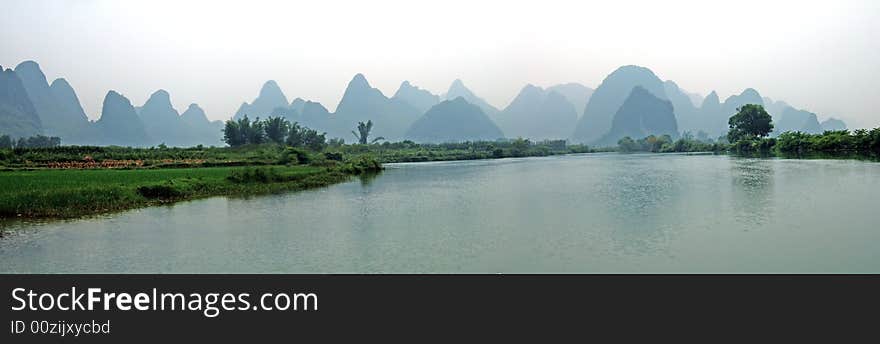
{"points": [[71, 193]]}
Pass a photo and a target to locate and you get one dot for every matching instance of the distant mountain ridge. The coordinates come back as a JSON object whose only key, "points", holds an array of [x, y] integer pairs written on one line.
{"points": [[58, 108], [641, 114], [454, 121], [29, 105], [538, 114], [18, 117], [421, 99], [610, 96], [457, 89]]}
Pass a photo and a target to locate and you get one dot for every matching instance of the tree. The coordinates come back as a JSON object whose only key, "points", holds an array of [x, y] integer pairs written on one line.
{"points": [[363, 133], [276, 129], [314, 141], [5, 142], [232, 134], [750, 121], [627, 144], [255, 132], [294, 135]]}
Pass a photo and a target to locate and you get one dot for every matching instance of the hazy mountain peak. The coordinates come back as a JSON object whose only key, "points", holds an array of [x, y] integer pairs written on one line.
{"points": [[119, 123], [751, 93], [59, 82], [633, 70], [114, 100], [160, 97], [610, 96], [576, 94], [453, 120], [18, 117], [419, 98], [793, 119], [195, 107], [297, 104], [458, 89], [711, 100], [270, 97], [29, 67], [529, 88], [748, 96], [194, 112], [833, 124], [642, 114], [271, 91], [359, 81], [528, 96], [537, 114]]}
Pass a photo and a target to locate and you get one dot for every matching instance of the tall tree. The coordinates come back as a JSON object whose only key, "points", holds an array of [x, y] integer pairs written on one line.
{"points": [[363, 133], [750, 121], [232, 134], [276, 129]]}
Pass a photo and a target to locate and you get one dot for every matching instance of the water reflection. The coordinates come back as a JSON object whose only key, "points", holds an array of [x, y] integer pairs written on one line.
{"points": [[752, 191], [638, 196], [368, 178]]}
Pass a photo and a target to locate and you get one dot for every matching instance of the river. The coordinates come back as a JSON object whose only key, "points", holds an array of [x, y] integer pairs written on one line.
{"points": [[614, 213]]}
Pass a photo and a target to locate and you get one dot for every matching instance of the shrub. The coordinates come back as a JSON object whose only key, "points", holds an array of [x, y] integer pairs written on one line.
{"points": [[164, 191]]}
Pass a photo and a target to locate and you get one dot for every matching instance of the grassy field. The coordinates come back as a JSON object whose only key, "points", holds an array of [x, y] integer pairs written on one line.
{"points": [[71, 193]]}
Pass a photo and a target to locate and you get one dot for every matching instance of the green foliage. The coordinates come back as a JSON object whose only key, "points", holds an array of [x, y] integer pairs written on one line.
{"points": [[70, 193], [335, 156], [650, 143], [836, 141], [254, 175], [243, 131], [276, 129], [408, 151], [299, 136], [750, 121], [753, 145], [664, 144], [362, 164], [161, 191]]}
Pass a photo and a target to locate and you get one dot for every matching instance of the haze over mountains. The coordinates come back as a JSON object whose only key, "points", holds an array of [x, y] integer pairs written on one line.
{"points": [[538, 114], [631, 101]]}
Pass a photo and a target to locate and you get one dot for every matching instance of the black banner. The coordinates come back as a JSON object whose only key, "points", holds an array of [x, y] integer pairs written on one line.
{"points": [[114, 308]]}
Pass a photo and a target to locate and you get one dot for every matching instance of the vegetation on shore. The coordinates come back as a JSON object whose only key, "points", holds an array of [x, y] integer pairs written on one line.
{"points": [[749, 134], [75, 192]]}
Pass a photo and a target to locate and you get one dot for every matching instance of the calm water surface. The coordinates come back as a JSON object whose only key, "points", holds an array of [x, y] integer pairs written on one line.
{"points": [[580, 213]]}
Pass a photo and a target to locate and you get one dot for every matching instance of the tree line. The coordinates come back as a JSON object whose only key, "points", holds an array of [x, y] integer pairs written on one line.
{"points": [[272, 130], [749, 131]]}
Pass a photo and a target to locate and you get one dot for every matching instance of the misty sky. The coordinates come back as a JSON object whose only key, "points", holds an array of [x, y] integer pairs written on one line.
{"points": [[821, 56]]}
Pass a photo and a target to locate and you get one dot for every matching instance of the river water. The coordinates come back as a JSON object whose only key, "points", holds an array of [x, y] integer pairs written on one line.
{"points": [[579, 213]]}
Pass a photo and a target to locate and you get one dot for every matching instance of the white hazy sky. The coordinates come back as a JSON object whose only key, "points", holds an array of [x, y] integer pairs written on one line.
{"points": [[823, 56]]}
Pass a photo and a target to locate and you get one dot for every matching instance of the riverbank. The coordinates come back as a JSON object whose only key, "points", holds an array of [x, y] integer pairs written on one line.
{"points": [[73, 181], [66, 193]]}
